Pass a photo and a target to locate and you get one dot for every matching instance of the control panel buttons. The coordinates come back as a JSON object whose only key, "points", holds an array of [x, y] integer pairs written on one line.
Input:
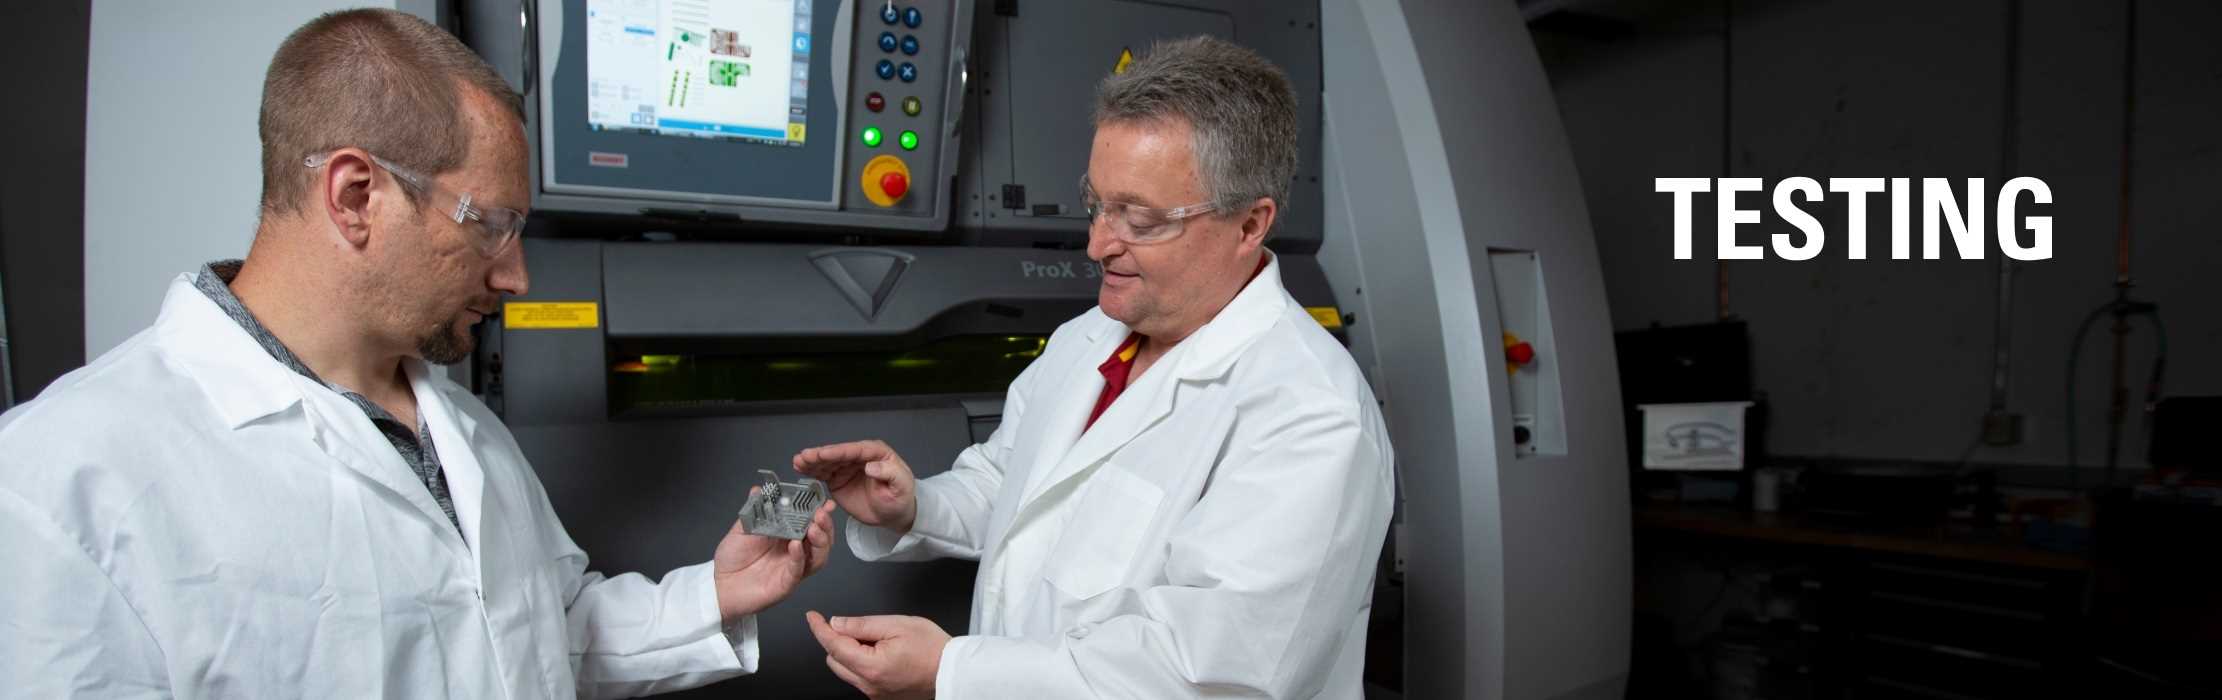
{"points": [[908, 140], [911, 105], [910, 45], [887, 42], [908, 71], [887, 69], [885, 180], [871, 137], [911, 17], [887, 13], [876, 103]]}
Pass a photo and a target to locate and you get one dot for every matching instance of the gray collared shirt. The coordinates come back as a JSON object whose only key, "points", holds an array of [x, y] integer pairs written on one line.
{"points": [[415, 446]]}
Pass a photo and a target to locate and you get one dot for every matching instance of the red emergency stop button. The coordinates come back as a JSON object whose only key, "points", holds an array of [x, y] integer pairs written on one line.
{"points": [[885, 180], [1520, 353], [1517, 352]]}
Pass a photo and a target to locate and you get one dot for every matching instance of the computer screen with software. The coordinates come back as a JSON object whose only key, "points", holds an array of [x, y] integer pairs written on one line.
{"points": [[726, 69]]}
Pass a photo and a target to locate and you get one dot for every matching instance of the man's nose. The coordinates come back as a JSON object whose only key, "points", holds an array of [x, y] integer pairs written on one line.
{"points": [[1102, 243], [509, 275]]}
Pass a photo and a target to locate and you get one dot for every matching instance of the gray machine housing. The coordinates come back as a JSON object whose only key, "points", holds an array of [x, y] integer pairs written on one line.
{"points": [[1028, 134], [1428, 241], [851, 57]]}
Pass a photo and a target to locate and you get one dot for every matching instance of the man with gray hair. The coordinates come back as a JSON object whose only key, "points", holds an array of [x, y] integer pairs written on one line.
{"points": [[271, 493], [1190, 486]]}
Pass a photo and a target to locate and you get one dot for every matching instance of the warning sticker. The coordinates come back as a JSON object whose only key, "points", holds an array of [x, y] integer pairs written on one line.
{"points": [[551, 314], [1126, 56], [1328, 316]]}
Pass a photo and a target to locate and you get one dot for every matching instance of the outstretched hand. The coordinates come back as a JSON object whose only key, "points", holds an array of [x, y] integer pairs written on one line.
{"points": [[871, 482], [753, 572]]}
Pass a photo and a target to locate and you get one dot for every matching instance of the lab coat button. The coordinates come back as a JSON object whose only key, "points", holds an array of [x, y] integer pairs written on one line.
{"points": [[1079, 632]]}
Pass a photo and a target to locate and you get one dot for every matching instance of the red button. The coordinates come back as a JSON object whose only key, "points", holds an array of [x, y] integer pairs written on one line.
{"points": [[1520, 353], [894, 184], [875, 102]]}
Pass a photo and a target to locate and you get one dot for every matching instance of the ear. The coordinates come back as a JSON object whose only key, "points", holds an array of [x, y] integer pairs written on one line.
{"points": [[1258, 222], [343, 190]]}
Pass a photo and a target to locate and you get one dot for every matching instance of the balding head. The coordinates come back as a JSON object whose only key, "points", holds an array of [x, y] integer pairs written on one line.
{"points": [[380, 80]]}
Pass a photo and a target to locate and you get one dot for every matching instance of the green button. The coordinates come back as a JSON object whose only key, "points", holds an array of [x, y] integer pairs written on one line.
{"points": [[871, 137], [909, 139], [912, 106]]}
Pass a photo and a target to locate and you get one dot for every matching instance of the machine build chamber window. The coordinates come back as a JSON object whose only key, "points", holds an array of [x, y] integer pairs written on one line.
{"points": [[646, 383]]}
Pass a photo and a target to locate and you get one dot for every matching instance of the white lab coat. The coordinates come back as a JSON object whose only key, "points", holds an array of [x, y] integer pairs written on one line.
{"points": [[1215, 532], [187, 517]]}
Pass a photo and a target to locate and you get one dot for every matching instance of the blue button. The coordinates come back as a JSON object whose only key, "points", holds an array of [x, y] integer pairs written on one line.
{"points": [[887, 13], [910, 72], [910, 45], [887, 69], [911, 17], [802, 44], [887, 41]]}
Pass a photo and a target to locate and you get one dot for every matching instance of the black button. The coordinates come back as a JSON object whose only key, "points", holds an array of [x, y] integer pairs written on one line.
{"points": [[887, 13], [912, 17], [910, 45], [887, 42], [909, 72], [887, 69]]}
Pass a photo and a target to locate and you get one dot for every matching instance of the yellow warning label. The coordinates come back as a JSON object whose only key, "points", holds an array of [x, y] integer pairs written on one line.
{"points": [[1328, 316], [794, 131], [1126, 56], [551, 314]]}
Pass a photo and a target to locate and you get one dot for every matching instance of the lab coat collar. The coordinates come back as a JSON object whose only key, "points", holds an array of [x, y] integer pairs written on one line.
{"points": [[440, 406], [236, 373], [1204, 355], [245, 385], [1210, 351]]}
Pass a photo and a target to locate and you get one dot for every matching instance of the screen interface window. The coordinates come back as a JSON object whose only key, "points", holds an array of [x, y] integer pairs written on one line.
{"points": [[734, 70]]}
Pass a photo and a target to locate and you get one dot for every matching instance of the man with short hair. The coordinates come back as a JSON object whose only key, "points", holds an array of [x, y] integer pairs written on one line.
{"points": [[1191, 485], [271, 493]]}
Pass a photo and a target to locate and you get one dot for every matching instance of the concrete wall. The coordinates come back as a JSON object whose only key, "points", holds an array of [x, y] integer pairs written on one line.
{"points": [[1890, 359]]}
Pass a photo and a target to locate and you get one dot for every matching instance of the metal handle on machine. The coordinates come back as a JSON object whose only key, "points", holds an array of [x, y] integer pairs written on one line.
{"points": [[961, 60], [528, 64]]}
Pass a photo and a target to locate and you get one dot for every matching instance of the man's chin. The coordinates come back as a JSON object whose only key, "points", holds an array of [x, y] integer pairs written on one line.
{"points": [[454, 348]]}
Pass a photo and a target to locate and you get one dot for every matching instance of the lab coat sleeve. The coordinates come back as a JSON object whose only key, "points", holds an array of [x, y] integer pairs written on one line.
{"points": [[954, 506], [631, 636], [1264, 576], [65, 630]]}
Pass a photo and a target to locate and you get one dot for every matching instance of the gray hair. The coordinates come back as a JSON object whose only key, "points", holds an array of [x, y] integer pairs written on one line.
{"points": [[1238, 106]]}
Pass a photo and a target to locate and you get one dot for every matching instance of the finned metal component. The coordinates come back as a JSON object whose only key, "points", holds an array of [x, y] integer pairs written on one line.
{"points": [[782, 510]]}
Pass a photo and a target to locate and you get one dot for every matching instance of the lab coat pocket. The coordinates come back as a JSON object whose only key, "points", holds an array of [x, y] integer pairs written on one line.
{"points": [[1111, 516]]}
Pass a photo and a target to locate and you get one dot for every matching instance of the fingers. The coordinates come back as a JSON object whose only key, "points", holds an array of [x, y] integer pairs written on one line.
{"points": [[857, 452], [871, 628], [838, 647]]}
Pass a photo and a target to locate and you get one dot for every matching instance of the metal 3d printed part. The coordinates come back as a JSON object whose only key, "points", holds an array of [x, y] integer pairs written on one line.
{"points": [[782, 510]]}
